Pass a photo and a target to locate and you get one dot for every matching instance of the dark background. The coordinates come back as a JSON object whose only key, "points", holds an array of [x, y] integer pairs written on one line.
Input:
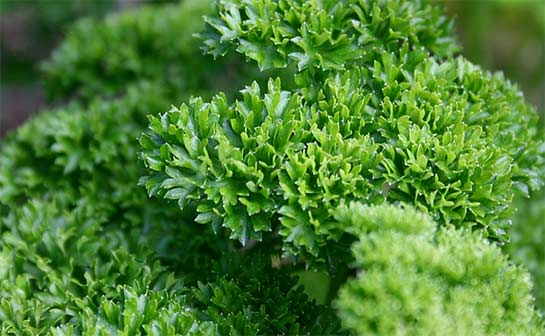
{"points": [[507, 35]]}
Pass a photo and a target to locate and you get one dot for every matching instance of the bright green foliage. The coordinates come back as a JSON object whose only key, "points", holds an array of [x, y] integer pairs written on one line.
{"points": [[99, 58], [366, 106], [414, 282], [398, 126], [418, 132], [322, 37], [527, 241], [325, 35]]}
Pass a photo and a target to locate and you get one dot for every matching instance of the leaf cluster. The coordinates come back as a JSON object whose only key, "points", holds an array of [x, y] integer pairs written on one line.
{"points": [[85, 251], [409, 130], [324, 35], [363, 147], [67, 273], [412, 281]]}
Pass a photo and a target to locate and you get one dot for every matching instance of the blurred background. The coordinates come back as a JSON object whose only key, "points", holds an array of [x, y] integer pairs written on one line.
{"points": [[507, 35], [29, 31]]}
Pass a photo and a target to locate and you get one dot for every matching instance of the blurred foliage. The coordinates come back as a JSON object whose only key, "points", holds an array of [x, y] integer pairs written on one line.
{"points": [[527, 241], [506, 35], [32, 28], [148, 47]]}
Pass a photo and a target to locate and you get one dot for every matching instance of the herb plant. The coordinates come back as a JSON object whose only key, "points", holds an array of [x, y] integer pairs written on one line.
{"points": [[350, 138]]}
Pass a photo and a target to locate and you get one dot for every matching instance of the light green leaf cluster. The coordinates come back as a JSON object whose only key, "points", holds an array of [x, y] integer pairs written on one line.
{"points": [[414, 281]]}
